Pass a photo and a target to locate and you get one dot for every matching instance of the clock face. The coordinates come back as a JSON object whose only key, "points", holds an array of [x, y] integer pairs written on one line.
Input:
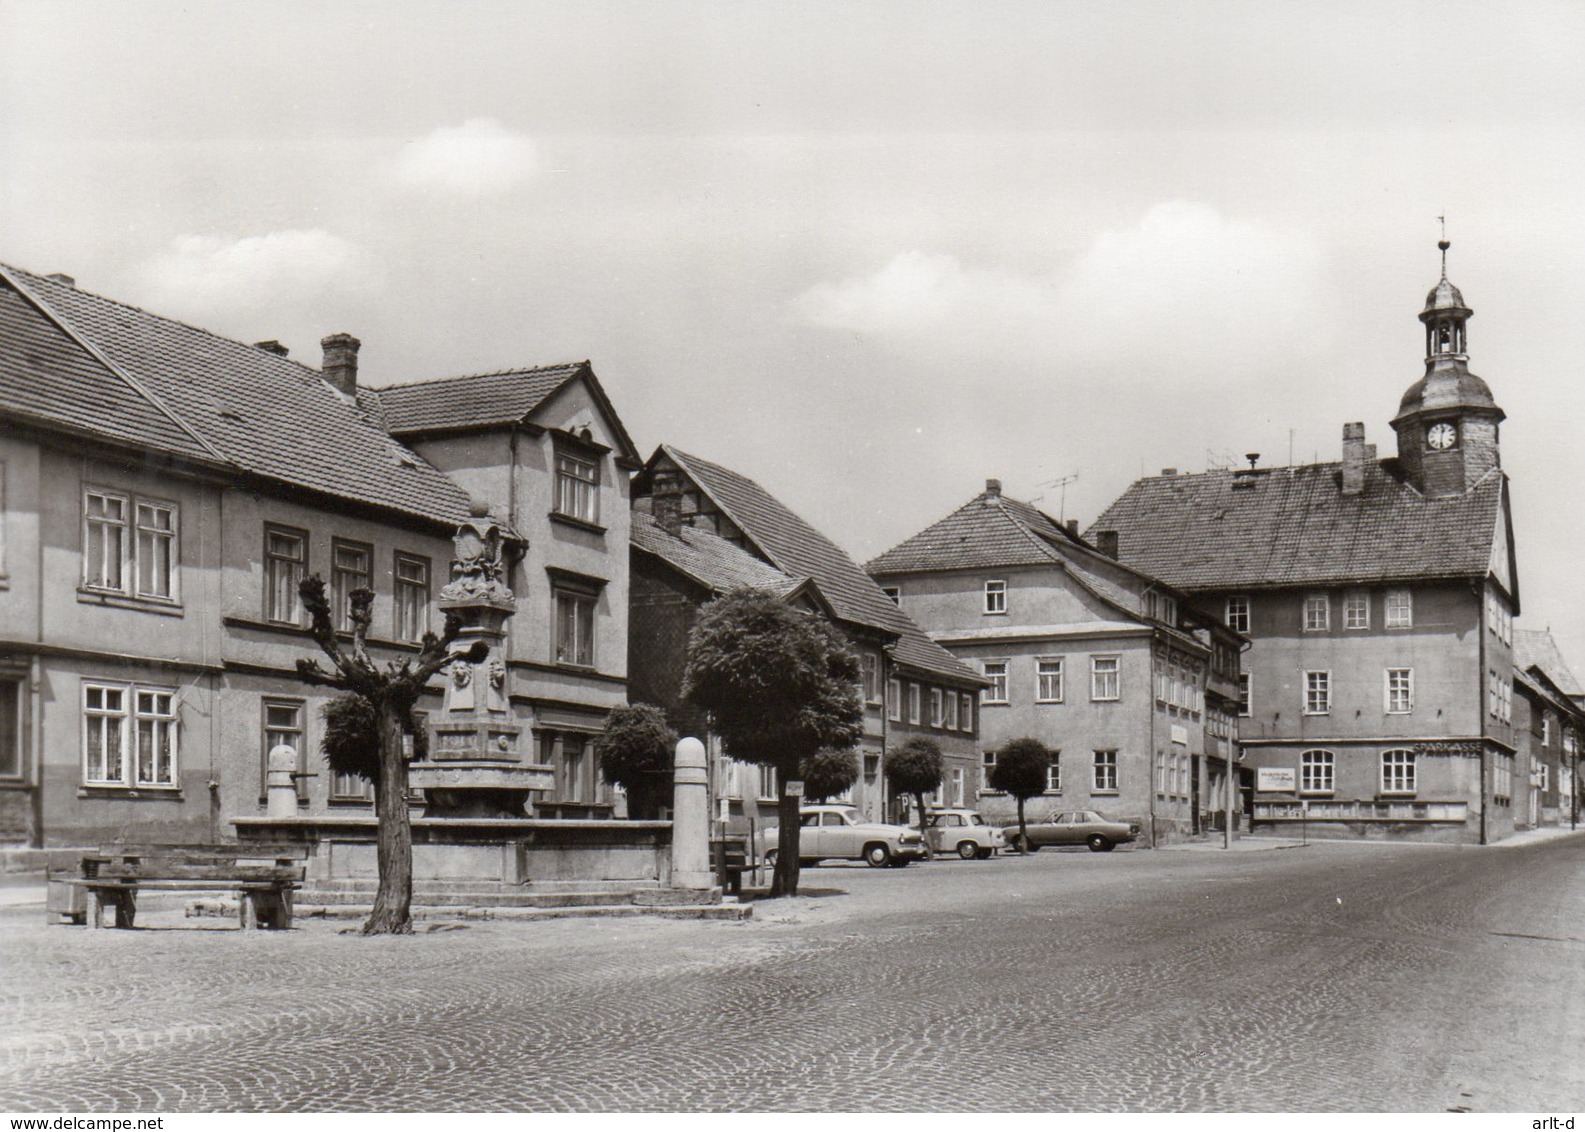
{"points": [[1441, 436]]}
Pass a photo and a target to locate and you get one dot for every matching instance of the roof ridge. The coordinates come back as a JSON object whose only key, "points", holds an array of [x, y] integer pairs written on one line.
{"points": [[428, 381], [67, 328], [1018, 521]]}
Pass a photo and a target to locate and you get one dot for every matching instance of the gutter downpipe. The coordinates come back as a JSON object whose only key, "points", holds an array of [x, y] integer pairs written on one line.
{"points": [[1155, 755], [1481, 628]]}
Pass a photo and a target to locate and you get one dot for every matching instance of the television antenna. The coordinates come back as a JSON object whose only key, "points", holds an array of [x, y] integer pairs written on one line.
{"points": [[1063, 483]]}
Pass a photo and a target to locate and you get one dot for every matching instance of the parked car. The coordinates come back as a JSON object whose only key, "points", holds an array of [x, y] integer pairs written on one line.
{"points": [[962, 832], [841, 832], [1076, 827]]}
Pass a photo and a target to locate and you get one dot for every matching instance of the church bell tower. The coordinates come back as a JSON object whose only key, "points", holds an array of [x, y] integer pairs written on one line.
{"points": [[1447, 421]]}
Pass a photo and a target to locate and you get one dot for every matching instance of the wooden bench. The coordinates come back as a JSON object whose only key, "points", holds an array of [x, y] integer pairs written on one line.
{"points": [[263, 878], [729, 856]]}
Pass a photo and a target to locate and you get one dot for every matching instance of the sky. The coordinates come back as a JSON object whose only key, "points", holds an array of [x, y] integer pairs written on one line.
{"points": [[870, 254]]}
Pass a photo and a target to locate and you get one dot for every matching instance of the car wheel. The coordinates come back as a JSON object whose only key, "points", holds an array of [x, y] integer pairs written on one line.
{"points": [[877, 856], [1099, 844], [983, 854], [968, 850]]}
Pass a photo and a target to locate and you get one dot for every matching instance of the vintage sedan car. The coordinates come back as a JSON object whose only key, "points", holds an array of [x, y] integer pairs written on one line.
{"points": [[1076, 827], [962, 832], [841, 832]]}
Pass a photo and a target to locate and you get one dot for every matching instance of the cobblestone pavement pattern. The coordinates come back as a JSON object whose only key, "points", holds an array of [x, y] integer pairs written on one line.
{"points": [[1333, 977]]}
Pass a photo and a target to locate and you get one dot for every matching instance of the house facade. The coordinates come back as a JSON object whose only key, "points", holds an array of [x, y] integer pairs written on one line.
{"points": [[164, 490], [1378, 697], [1549, 720], [1132, 692], [701, 530]]}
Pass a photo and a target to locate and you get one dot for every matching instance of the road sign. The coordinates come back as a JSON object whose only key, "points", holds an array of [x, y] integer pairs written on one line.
{"points": [[795, 789]]}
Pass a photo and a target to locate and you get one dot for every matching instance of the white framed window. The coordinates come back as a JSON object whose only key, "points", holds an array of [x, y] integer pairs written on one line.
{"points": [[351, 568], [895, 593], [574, 626], [915, 697], [1502, 779], [987, 766], [1105, 771], [1054, 773], [1317, 693], [1104, 677], [1048, 680], [1317, 772], [950, 700], [872, 678], [1246, 688], [285, 566], [894, 700], [1356, 610], [12, 765], [936, 717], [957, 786], [1400, 609], [129, 736], [996, 672], [1238, 613], [767, 782], [1493, 698], [1544, 777], [1505, 697], [1398, 772], [1546, 728], [965, 712], [996, 596], [1317, 613], [282, 725], [411, 574], [577, 487], [129, 545], [1400, 691]]}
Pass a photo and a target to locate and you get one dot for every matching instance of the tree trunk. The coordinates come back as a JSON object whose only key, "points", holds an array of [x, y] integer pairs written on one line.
{"points": [[785, 880], [1023, 830], [919, 801], [393, 901]]}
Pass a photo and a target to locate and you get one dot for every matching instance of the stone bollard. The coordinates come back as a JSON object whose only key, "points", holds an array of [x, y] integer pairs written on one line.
{"points": [[690, 819], [281, 782]]}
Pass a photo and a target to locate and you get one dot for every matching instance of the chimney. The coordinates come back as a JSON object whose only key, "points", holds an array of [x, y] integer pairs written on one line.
{"points": [[1353, 458], [341, 362], [1073, 527], [1169, 471], [1106, 543], [665, 499], [62, 278], [993, 489], [271, 346]]}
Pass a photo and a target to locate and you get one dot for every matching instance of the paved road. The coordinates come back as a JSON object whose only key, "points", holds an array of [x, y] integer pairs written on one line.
{"points": [[1332, 977]]}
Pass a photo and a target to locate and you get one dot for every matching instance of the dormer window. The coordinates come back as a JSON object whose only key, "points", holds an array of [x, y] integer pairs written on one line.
{"points": [[577, 487]]}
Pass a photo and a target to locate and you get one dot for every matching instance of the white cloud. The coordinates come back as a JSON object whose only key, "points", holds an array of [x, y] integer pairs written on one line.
{"points": [[1184, 286], [235, 273], [480, 156]]}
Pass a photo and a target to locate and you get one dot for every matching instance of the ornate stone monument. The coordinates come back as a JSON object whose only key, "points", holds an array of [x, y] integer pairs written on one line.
{"points": [[476, 766]]}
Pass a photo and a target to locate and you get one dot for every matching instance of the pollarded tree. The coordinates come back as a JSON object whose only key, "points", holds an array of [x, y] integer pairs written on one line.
{"points": [[915, 768], [351, 744], [1020, 770], [635, 753], [828, 773], [779, 685], [389, 694]]}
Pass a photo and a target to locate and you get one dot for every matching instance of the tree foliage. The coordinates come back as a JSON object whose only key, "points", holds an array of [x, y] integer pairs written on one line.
{"points": [[635, 753], [916, 768], [351, 745], [828, 773], [388, 694], [1020, 770], [779, 685]]}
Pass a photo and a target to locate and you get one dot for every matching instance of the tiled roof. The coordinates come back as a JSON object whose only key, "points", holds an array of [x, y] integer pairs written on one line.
{"points": [[255, 410], [708, 559], [1535, 648], [48, 378], [481, 400], [797, 549], [1293, 526], [987, 532]]}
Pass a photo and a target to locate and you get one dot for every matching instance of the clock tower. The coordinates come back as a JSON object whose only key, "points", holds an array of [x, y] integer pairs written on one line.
{"points": [[1447, 421]]}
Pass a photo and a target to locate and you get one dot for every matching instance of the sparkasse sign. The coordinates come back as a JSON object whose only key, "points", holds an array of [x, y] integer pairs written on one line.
{"points": [[1277, 779]]}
